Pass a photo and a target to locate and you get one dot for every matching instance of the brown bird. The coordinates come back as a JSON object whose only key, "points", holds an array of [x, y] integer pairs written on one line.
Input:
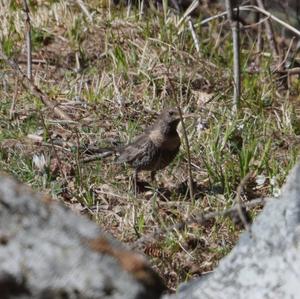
{"points": [[154, 149]]}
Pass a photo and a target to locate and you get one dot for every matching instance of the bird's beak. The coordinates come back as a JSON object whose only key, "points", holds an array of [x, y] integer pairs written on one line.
{"points": [[189, 115]]}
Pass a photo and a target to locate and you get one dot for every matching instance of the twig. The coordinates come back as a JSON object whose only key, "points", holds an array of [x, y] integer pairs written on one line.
{"points": [[28, 40], [293, 71], [77, 62], [129, 6], [252, 8], [234, 23], [190, 178], [13, 103], [207, 20], [268, 14], [53, 145], [85, 10], [259, 43], [188, 11], [286, 55], [34, 61], [119, 98], [200, 220], [54, 149], [56, 35], [238, 201], [165, 7], [175, 5], [77, 157], [256, 24], [45, 99], [141, 9], [194, 35], [62, 121], [270, 31]]}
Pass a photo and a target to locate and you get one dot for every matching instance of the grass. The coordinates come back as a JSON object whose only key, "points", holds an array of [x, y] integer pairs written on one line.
{"points": [[120, 84]]}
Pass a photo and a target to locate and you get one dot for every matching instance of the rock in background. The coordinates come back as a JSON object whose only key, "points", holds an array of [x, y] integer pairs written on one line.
{"points": [[266, 261], [46, 251]]}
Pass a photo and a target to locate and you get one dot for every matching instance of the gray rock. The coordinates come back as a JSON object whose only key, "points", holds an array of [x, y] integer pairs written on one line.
{"points": [[266, 262], [46, 251]]}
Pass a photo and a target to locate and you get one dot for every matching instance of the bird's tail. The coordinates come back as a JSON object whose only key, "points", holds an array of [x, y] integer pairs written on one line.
{"points": [[93, 149], [97, 153]]}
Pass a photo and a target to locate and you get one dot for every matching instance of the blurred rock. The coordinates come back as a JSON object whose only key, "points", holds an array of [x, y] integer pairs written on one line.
{"points": [[46, 251], [266, 261]]}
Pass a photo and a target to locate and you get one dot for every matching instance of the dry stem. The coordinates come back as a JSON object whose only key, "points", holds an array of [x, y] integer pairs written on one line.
{"points": [[45, 99]]}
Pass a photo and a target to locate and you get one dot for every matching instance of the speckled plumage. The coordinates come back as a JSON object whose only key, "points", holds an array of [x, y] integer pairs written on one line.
{"points": [[156, 147], [153, 150]]}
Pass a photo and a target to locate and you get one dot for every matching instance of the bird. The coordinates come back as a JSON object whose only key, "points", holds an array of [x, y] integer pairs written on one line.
{"points": [[154, 149]]}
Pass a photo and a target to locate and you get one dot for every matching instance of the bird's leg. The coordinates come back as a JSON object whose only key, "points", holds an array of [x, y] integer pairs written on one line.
{"points": [[135, 179], [133, 182], [152, 176]]}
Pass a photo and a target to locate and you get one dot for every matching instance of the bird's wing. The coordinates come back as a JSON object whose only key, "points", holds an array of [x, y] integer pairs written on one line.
{"points": [[134, 150]]}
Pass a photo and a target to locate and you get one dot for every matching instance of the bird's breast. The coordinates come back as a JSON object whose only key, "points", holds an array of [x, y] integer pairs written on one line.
{"points": [[165, 142]]}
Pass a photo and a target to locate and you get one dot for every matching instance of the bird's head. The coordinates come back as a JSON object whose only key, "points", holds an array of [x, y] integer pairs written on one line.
{"points": [[170, 116], [168, 120]]}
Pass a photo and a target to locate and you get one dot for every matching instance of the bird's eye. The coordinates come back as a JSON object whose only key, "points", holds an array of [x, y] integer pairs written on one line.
{"points": [[171, 113]]}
